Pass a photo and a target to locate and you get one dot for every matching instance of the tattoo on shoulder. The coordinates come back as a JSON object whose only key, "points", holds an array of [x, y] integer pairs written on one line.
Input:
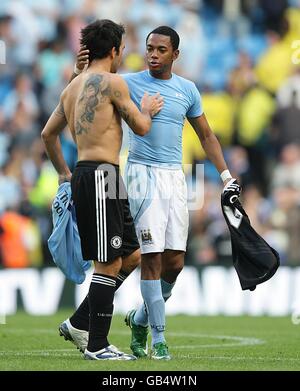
{"points": [[59, 111], [96, 90]]}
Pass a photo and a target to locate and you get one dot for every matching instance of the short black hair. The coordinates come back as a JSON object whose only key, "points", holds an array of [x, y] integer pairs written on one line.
{"points": [[169, 32], [100, 37]]}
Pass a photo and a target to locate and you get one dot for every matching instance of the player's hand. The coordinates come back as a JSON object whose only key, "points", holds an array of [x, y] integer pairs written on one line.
{"points": [[231, 191], [64, 178], [82, 61], [152, 104]]}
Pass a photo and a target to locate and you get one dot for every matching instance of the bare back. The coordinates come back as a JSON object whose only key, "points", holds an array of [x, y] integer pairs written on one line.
{"points": [[93, 119]]}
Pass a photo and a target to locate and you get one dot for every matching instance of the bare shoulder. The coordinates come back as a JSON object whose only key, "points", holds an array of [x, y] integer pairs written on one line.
{"points": [[60, 109], [119, 86], [67, 92], [116, 79]]}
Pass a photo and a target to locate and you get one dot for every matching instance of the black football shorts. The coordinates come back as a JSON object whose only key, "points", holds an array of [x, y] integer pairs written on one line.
{"points": [[103, 216]]}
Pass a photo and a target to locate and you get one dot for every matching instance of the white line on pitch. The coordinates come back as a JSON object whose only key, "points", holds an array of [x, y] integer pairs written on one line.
{"points": [[72, 353], [231, 341]]}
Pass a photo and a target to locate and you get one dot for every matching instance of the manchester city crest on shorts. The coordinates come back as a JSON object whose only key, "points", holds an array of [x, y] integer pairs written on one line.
{"points": [[116, 242], [146, 236]]}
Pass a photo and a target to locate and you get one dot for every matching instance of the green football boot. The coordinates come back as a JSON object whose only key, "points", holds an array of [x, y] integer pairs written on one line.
{"points": [[160, 351], [139, 336]]}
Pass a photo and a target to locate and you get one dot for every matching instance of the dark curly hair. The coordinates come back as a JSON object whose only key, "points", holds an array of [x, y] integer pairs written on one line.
{"points": [[100, 37]]}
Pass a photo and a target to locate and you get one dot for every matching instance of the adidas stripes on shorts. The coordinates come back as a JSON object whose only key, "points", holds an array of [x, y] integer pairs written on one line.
{"points": [[103, 216]]}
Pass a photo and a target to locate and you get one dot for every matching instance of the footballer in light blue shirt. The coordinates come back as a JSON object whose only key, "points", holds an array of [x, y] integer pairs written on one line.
{"points": [[156, 185], [162, 146]]}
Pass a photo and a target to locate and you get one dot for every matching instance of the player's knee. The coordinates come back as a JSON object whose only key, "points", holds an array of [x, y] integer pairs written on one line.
{"points": [[131, 262], [110, 268], [136, 258]]}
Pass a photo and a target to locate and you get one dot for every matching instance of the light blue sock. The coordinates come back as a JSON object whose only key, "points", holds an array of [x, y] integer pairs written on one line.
{"points": [[141, 315], [152, 295], [166, 289]]}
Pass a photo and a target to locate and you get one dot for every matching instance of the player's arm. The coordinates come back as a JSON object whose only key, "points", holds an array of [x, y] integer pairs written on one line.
{"points": [[55, 125], [138, 121], [214, 152], [82, 62], [209, 142]]}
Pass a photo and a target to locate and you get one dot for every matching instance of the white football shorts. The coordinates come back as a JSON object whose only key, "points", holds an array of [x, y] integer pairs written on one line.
{"points": [[158, 204]]}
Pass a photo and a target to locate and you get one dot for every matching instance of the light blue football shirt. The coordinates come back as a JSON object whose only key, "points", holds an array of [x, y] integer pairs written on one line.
{"points": [[162, 146], [64, 242]]}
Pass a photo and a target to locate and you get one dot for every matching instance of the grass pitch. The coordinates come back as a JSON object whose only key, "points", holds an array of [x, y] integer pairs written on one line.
{"points": [[30, 343]]}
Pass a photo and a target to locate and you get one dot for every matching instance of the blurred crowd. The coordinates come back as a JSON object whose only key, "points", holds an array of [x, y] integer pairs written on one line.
{"points": [[242, 55]]}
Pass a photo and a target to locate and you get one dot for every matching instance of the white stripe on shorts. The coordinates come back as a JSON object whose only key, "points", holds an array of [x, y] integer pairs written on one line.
{"points": [[97, 215], [104, 215], [100, 216]]}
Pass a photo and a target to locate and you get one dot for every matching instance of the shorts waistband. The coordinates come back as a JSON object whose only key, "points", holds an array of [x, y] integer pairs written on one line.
{"points": [[94, 164]]}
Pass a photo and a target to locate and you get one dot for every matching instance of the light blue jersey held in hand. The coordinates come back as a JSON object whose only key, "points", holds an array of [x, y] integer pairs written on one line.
{"points": [[64, 243], [162, 146]]}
